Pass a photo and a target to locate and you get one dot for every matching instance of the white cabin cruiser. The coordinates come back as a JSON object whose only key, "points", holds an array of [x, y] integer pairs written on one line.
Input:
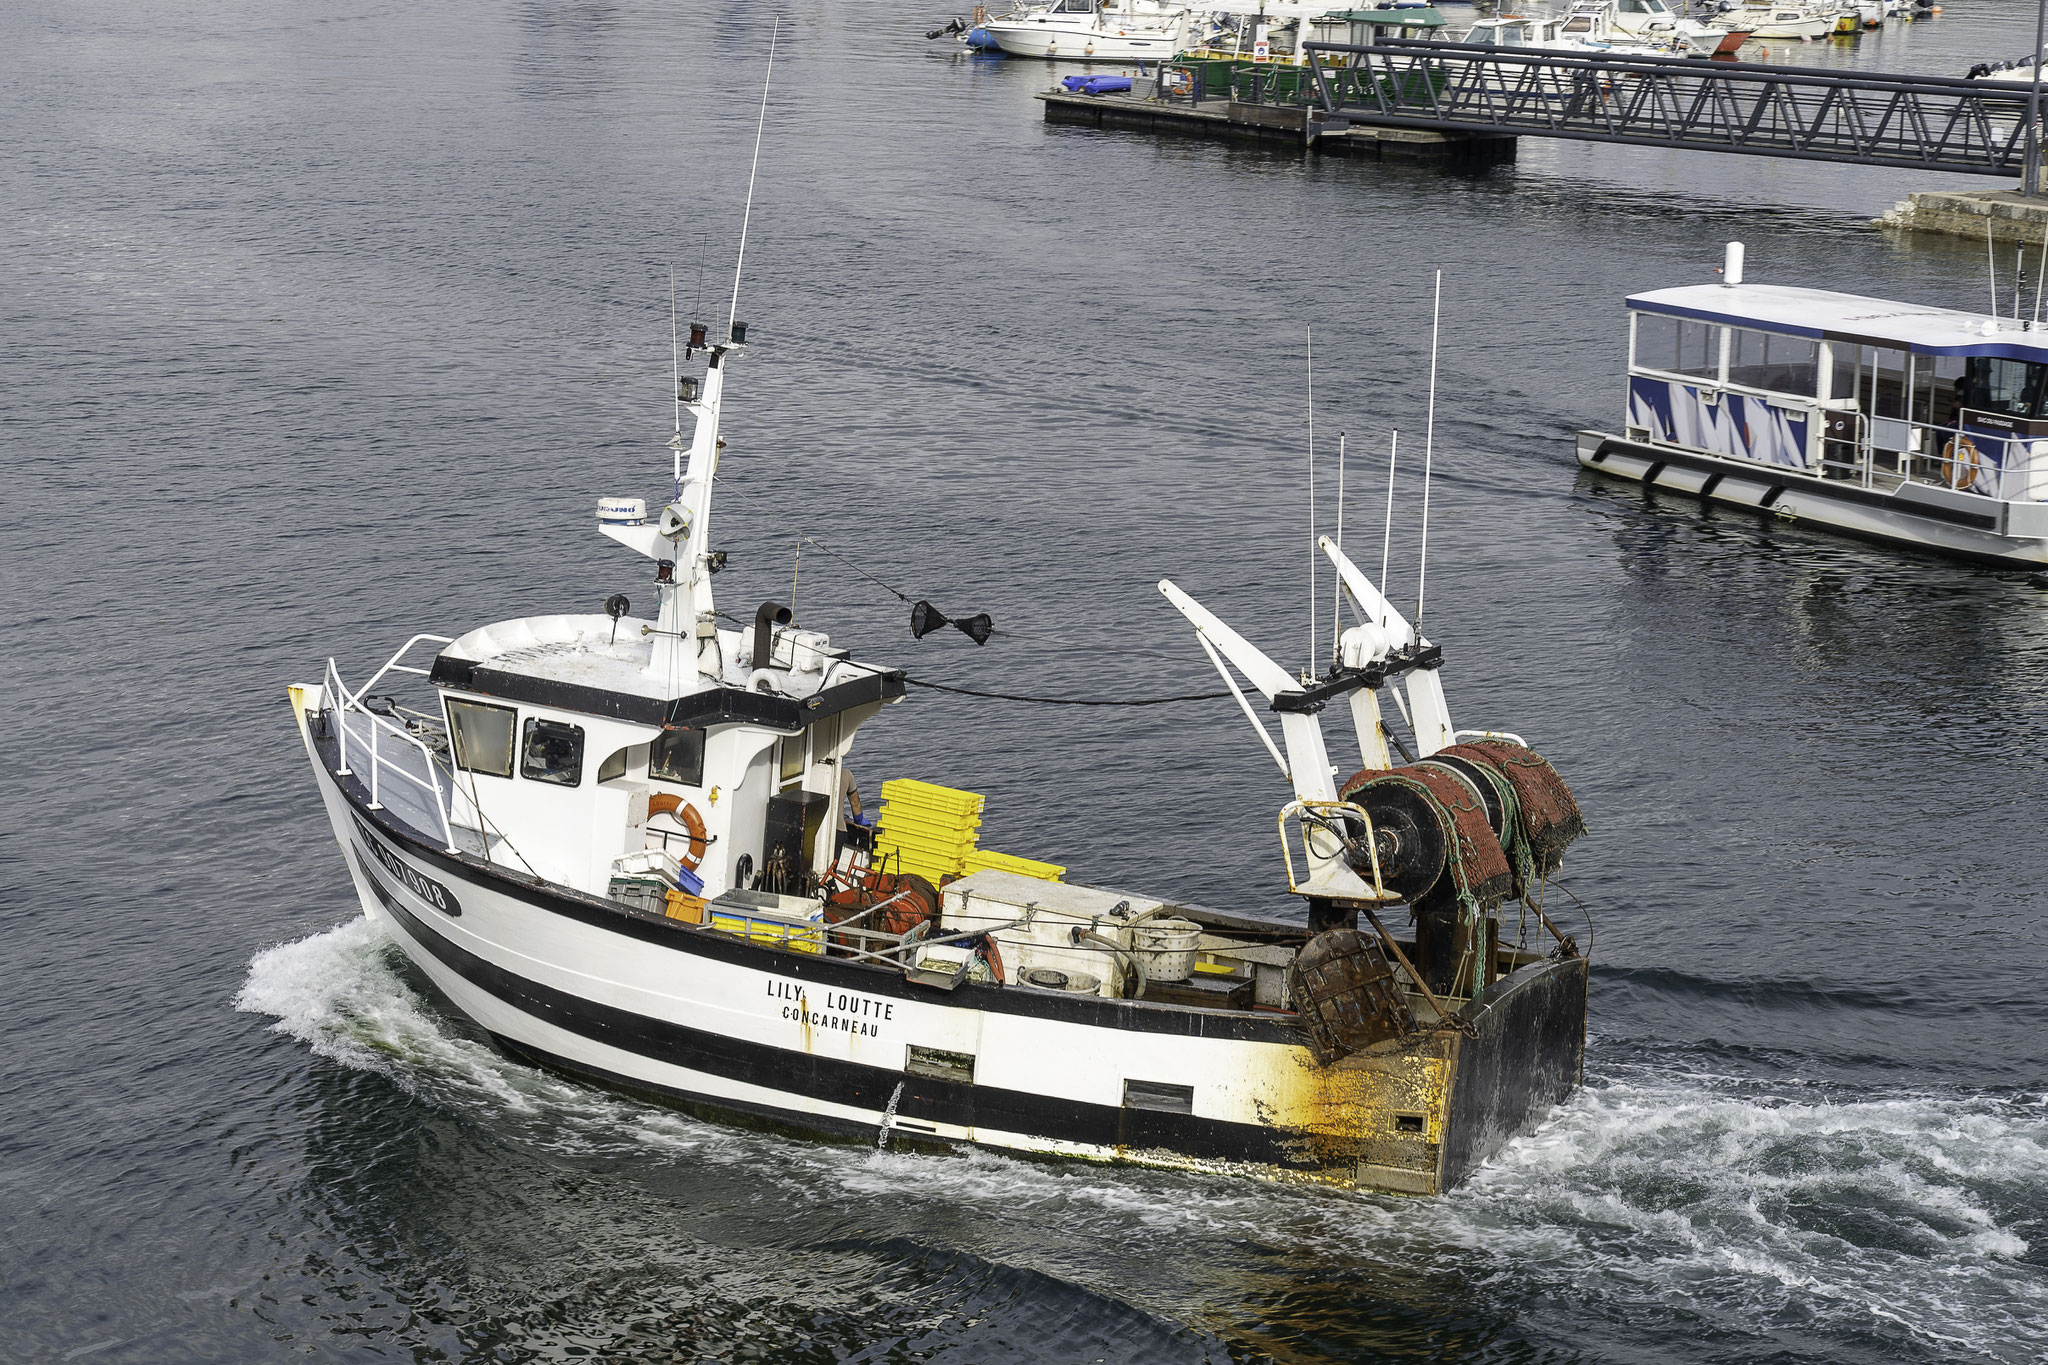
{"points": [[1779, 21], [629, 848], [1919, 426], [1654, 21], [1093, 30], [1583, 31]]}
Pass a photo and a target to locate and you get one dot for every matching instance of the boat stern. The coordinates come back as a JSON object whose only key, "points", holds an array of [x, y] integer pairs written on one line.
{"points": [[1419, 1113]]}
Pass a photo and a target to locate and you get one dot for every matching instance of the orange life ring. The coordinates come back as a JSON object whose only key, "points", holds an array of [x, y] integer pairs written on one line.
{"points": [[1964, 462], [685, 814]]}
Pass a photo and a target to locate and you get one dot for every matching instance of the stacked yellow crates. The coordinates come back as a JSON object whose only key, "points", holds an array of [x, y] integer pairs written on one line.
{"points": [[983, 858], [926, 829]]}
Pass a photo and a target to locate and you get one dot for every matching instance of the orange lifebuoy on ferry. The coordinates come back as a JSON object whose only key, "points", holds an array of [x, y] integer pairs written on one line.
{"points": [[1964, 461], [684, 814]]}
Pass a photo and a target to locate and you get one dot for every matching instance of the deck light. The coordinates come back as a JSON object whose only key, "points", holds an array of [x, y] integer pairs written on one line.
{"points": [[686, 389], [739, 334]]}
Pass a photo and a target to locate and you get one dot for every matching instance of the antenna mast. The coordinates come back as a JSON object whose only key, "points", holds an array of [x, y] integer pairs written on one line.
{"points": [[1313, 552], [675, 356], [1387, 537], [1337, 589], [1991, 262], [748, 216], [1428, 452]]}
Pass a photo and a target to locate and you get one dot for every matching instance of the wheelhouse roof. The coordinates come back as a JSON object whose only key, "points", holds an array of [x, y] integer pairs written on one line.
{"points": [[1822, 313]]}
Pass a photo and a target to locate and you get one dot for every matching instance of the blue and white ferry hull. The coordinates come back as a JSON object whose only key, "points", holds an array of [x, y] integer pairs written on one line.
{"points": [[1966, 525]]}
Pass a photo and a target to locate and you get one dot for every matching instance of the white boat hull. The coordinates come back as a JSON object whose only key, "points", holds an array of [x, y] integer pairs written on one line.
{"points": [[1965, 525], [711, 1020], [1030, 38], [1818, 26]]}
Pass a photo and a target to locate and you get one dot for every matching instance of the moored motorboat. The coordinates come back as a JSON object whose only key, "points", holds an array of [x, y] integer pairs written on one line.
{"points": [[1093, 30], [629, 848], [1778, 21], [1657, 22], [1920, 426]]}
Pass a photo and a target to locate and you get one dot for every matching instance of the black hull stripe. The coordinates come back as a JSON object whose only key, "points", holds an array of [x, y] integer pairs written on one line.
{"points": [[830, 1080], [887, 982], [1817, 488]]}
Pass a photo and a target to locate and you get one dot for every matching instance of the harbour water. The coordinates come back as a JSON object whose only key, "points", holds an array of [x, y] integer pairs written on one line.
{"points": [[325, 325]]}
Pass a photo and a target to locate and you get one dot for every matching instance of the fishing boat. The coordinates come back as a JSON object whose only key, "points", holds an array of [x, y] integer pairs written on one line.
{"points": [[1919, 426], [629, 848]]}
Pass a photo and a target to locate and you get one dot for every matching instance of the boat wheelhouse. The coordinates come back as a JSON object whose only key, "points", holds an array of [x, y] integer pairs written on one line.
{"points": [[1916, 425]]}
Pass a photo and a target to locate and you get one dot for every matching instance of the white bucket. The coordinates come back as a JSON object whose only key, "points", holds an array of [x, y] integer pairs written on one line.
{"points": [[1166, 947]]}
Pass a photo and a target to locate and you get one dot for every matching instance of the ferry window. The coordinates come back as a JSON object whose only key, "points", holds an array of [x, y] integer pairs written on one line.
{"points": [[553, 752], [2011, 388], [1935, 381], [792, 768], [678, 756], [1678, 346], [1884, 381], [1781, 364], [482, 736]]}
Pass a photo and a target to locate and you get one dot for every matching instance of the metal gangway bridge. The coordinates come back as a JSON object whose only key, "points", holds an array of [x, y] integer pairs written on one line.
{"points": [[1929, 123]]}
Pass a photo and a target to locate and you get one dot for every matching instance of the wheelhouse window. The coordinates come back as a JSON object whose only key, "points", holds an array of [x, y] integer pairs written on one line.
{"points": [[552, 752], [2008, 388], [677, 756], [1778, 364], [1678, 346], [791, 767], [482, 736]]}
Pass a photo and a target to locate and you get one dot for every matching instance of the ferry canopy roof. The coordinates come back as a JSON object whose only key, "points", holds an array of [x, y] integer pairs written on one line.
{"points": [[1822, 313]]}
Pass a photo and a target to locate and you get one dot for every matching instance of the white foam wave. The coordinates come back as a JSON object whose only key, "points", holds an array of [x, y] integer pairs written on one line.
{"points": [[1748, 1210], [1763, 1211]]}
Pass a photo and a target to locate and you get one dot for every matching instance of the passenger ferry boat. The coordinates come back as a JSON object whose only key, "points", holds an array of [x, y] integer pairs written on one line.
{"points": [[1920, 426], [629, 848]]}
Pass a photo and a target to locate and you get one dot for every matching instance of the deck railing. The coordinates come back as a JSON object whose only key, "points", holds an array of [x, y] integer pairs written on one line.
{"points": [[344, 704]]}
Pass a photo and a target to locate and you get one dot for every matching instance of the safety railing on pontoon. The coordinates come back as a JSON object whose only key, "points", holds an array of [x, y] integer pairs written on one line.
{"points": [[1953, 457], [344, 703]]}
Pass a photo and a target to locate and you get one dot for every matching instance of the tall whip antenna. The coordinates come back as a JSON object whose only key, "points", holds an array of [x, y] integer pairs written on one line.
{"points": [[1337, 588], [675, 355], [1387, 537], [1428, 453], [1312, 551], [748, 216], [2040, 279], [1991, 261]]}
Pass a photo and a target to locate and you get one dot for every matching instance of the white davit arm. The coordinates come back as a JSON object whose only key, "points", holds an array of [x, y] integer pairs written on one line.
{"points": [[1308, 762], [1383, 631]]}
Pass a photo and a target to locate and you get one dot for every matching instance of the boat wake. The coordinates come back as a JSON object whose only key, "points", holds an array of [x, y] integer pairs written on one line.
{"points": [[1794, 1219]]}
